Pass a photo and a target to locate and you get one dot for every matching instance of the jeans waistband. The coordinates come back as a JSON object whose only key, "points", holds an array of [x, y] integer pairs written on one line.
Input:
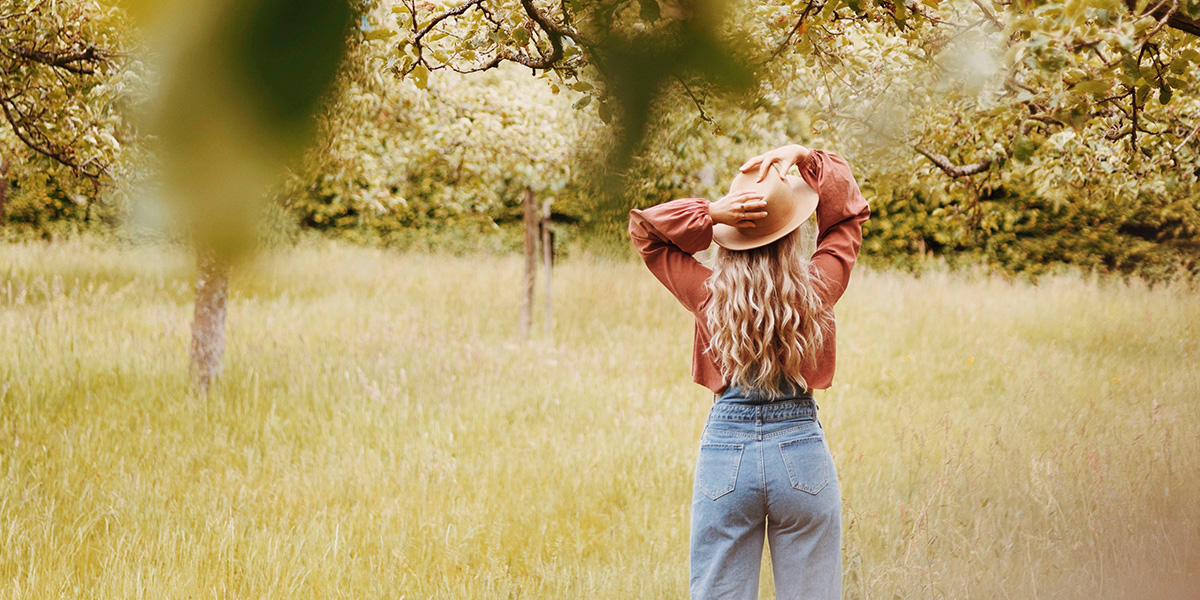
{"points": [[735, 405]]}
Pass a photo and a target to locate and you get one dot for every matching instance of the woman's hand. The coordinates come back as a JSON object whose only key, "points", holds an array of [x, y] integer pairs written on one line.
{"points": [[784, 156], [739, 209]]}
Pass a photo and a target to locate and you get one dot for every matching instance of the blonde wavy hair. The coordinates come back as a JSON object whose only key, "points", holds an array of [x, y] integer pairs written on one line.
{"points": [[765, 314]]}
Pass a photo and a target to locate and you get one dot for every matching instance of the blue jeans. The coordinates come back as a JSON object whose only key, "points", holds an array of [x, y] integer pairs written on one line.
{"points": [[764, 470]]}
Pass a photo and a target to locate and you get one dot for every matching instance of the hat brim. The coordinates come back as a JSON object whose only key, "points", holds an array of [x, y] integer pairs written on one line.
{"points": [[734, 238]]}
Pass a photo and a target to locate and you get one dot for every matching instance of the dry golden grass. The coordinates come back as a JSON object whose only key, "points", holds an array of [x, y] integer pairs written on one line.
{"points": [[380, 433]]}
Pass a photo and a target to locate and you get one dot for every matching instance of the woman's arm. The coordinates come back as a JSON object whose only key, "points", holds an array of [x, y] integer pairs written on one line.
{"points": [[841, 212], [668, 234]]}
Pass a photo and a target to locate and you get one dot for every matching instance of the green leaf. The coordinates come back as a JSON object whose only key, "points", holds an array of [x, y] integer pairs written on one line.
{"points": [[1073, 76], [582, 86], [605, 112], [1093, 86], [901, 13], [290, 50], [420, 76], [379, 34], [1143, 92], [520, 36], [1164, 94], [650, 11], [831, 7], [1052, 60], [582, 102], [1023, 148], [1129, 65]]}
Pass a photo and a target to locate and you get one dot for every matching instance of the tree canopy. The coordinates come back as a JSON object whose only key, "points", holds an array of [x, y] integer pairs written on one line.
{"points": [[997, 119], [1023, 133], [65, 76]]}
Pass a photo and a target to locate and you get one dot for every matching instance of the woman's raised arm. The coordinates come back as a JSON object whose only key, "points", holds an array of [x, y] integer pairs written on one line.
{"points": [[841, 212]]}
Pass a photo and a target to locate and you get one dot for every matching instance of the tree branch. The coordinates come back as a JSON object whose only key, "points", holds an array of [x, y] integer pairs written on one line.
{"points": [[951, 169], [808, 9], [990, 16], [699, 104], [1170, 17], [553, 31], [82, 62], [19, 122]]}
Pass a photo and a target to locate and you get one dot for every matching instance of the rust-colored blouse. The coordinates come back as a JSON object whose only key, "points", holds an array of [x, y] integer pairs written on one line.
{"points": [[667, 235]]}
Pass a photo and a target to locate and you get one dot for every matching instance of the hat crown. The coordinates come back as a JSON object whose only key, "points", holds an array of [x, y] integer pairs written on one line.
{"points": [[790, 203], [776, 192]]}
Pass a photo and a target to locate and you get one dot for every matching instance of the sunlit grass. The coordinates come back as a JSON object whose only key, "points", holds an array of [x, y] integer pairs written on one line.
{"points": [[381, 432]]}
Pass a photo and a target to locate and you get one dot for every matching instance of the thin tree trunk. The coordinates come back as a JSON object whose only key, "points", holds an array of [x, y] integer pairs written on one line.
{"points": [[547, 265], [531, 230], [208, 323]]}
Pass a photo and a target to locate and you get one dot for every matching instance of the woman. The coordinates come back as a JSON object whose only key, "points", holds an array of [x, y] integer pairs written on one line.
{"points": [[764, 341]]}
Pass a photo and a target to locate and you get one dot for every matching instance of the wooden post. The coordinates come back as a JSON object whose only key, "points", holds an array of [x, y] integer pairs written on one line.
{"points": [[531, 231], [547, 266], [4, 166]]}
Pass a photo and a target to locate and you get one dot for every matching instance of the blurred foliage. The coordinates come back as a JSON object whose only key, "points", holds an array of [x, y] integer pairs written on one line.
{"points": [[39, 207], [241, 83]]}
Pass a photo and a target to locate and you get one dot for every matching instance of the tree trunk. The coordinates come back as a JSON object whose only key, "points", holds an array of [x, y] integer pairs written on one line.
{"points": [[547, 265], [531, 232], [208, 323]]}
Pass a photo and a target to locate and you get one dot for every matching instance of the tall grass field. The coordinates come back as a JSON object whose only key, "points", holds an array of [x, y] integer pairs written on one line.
{"points": [[381, 431]]}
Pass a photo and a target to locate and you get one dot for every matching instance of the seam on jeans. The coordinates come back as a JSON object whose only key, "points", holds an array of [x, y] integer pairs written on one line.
{"points": [[731, 432], [792, 429], [762, 475]]}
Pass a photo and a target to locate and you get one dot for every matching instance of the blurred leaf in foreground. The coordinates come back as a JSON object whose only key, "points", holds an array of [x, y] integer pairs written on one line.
{"points": [[240, 81]]}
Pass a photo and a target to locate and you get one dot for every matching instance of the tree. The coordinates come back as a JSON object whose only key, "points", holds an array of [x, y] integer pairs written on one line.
{"points": [[241, 83], [64, 79], [634, 49], [1067, 115], [393, 158]]}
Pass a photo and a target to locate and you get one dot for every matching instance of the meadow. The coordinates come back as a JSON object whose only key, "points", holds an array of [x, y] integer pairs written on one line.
{"points": [[381, 432]]}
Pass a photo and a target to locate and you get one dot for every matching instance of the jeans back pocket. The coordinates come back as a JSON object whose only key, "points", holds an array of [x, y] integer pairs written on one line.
{"points": [[717, 469], [807, 463]]}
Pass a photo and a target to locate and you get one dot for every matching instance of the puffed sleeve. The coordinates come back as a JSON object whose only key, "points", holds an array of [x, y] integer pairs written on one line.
{"points": [[841, 212], [666, 236]]}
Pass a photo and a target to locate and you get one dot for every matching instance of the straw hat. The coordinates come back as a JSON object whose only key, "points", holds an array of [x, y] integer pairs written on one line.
{"points": [[789, 204]]}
